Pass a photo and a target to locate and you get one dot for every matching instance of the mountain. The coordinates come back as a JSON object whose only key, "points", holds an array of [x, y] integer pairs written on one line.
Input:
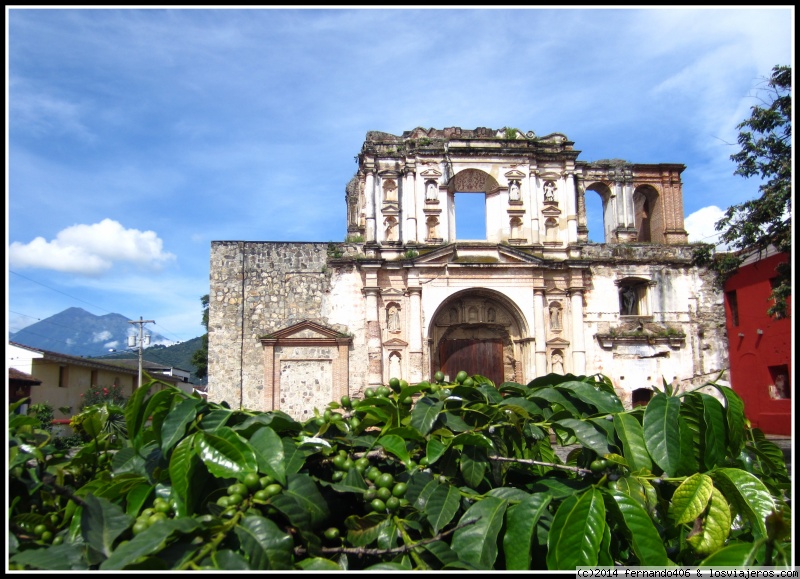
{"points": [[176, 356], [78, 333]]}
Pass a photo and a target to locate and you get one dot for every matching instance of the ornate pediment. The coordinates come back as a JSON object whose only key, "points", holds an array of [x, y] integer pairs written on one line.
{"points": [[395, 343], [514, 174], [306, 330], [557, 343], [392, 292], [431, 174], [486, 254]]}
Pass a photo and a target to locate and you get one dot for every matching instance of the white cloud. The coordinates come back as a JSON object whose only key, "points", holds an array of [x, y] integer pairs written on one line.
{"points": [[700, 225], [100, 336], [91, 249]]}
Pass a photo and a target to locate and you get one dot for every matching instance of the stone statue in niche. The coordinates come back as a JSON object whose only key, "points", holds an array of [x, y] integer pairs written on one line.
{"points": [[628, 301], [557, 363], [490, 315], [513, 191], [453, 316], [555, 317], [431, 194], [549, 191], [432, 223], [391, 229], [393, 319]]}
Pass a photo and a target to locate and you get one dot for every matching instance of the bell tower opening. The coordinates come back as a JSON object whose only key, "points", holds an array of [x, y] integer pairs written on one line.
{"points": [[470, 214]]}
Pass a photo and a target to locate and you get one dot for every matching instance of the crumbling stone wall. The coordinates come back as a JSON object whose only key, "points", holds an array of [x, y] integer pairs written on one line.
{"points": [[257, 288]]}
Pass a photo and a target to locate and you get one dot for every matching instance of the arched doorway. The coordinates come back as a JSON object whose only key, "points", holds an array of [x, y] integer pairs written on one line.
{"points": [[478, 331]]}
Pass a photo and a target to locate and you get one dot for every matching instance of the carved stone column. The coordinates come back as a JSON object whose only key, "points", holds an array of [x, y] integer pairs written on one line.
{"points": [[369, 203], [535, 194], [409, 205], [572, 209], [539, 332], [577, 342], [374, 353], [415, 333]]}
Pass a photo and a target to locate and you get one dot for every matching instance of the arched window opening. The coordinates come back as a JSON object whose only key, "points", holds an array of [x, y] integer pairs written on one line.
{"points": [[633, 297], [599, 213], [645, 214], [641, 396], [470, 212]]}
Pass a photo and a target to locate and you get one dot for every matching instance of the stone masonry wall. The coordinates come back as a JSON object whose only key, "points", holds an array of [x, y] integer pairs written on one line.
{"points": [[257, 288]]}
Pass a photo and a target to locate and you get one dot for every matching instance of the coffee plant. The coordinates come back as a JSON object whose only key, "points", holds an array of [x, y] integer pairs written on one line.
{"points": [[432, 476]]}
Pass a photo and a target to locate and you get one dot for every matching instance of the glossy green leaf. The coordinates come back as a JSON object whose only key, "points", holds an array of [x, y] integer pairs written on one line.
{"points": [[137, 497], [748, 495], [588, 434], [134, 413], [362, 531], [434, 449], [604, 402], [522, 406], [148, 542], [770, 453], [631, 435], [183, 465], [690, 447], [552, 396], [304, 491], [472, 439], [736, 555], [604, 556], [318, 564], [224, 453], [442, 551], [387, 534], [424, 414], [735, 420], [269, 451], [645, 540], [266, 545], [715, 429], [66, 557], [157, 408], [477, 543], [228, 560], [691, 498], [294, 457], [716, 526], [395, 445], [662, 432], [174, 425], [215, 419], [576, 532], [521, 521], [473, 465], [102, 522]]}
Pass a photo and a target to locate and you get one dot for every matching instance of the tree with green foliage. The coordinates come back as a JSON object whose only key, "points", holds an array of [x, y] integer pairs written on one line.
{"points": [[200, 357], [437, 475], [751, 227]]}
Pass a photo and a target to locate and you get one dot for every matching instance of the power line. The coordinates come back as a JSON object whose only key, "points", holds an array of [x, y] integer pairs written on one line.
{"points": [[59, 291], [161, 327]]}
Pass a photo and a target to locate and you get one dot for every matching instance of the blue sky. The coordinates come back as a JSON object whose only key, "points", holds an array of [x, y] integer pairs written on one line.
{"points": [[136, 137]]}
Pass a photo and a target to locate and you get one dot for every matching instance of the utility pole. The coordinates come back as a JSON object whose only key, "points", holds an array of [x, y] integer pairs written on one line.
{"points": [[132, 339]]}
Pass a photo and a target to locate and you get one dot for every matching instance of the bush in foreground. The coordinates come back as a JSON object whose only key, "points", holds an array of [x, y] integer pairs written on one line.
{"points": [[430, 476]]}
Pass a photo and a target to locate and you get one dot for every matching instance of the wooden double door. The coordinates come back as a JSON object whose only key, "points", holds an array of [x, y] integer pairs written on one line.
{"points": [[484, 357]]}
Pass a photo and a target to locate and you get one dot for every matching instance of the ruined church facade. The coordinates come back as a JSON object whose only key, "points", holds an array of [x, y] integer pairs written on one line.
{"points": [[293, 326]]}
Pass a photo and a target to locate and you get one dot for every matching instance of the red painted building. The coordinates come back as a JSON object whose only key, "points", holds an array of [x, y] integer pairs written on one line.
{"points": [[760, 346]]}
